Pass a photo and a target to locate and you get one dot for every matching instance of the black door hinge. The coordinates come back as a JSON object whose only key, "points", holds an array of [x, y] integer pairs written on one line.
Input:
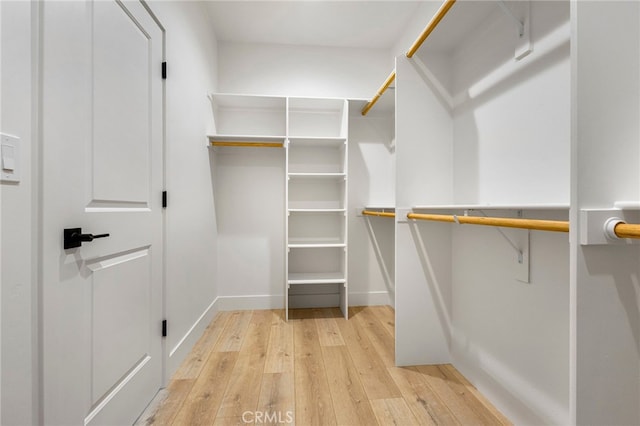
{"points": [[164, 70], [164, 199], [164, 328]]}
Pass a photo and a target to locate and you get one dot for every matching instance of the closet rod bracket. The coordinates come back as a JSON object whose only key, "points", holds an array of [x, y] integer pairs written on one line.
{"points": [[523, 44], [598, 226]]}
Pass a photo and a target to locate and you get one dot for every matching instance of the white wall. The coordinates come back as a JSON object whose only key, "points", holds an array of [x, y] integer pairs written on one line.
{"points": [[606, 158], [18, 220], [307, 71], [191, 226], [250, 211]]}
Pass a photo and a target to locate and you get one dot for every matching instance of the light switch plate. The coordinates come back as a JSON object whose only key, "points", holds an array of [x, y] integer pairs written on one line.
{"points": [[9, 158]]}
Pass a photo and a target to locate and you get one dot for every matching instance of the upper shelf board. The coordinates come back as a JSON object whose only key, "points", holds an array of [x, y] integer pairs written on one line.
{"points": [[550, 206]]}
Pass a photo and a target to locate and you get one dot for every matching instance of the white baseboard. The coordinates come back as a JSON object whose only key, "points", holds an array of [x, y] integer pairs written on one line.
{"points": [[181, 349], [266, 301], [245, 303], [370, 298]]}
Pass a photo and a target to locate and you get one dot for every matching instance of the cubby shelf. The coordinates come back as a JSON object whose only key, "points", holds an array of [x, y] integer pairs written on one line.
{"points": [[316, 245], [317, 278], [336, 176]]}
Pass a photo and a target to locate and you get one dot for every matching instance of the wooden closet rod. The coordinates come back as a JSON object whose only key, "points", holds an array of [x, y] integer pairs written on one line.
{"points": [[381, 214], [540, 225], [412, 50], [248, 144], [448, 4], [381, 90], [627, 230]]}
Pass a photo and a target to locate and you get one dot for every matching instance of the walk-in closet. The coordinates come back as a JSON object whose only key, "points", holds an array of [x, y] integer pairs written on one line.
{"points": [[327, 212]]}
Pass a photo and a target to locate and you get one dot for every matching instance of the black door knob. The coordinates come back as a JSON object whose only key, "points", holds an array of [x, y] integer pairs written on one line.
{"points": [[73, 237]]}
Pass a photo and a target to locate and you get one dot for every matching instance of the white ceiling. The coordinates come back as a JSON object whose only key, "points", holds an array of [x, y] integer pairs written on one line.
{"points": [[363, 24]]}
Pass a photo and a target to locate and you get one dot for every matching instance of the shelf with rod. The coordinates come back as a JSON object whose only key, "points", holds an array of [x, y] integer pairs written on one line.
{"points": [[246, 141]]}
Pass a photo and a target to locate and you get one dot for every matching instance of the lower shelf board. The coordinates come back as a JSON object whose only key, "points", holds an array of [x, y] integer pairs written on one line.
{"points": [[317, 278]]}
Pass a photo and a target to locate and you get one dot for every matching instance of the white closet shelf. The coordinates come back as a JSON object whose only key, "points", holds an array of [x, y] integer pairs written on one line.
{"points": [[316, 245], [246, 138], [336, 176], [627, 205], [317, 278], [317, 210], [380, 207], [550, 206], [317, 141]]}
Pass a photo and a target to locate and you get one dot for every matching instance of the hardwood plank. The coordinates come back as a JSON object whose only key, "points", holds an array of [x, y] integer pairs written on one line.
{"points": [[383, 343], [376, 380], [202, 403], [424, 403], [243, 391], [299, 314], [393, 411], [193, 364], [280, 358], [328, 331], [387, 317], [166, 409], [481, 406], [277, 399], [432, 375], [231, 421], [313, 398], [231, 338], [453, 371], [350, 401]]}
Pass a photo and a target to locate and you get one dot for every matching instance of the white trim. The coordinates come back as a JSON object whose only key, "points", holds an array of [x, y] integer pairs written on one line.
{"points": [[370, 298], [250, 302], [201, 323], [275, 301]]}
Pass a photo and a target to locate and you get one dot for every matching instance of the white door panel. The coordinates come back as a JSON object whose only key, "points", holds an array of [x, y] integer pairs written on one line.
{"points": [[102, 126], [122, 66]]}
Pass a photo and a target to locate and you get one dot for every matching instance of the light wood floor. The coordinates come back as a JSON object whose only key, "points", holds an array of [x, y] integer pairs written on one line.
{"points": [[316, 369]]}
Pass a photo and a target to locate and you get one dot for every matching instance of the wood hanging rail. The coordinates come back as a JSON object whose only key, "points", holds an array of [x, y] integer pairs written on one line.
{"points": [[380, 214], [248, 144], [448, 4], [627, 230], [540, 225], [381, 90]]}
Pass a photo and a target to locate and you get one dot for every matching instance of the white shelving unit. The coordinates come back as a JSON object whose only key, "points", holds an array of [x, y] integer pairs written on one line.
{"points": [[314, 133], [316, 197]]}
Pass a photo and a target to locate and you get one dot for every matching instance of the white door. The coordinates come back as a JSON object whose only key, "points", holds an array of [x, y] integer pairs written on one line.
{"points": [[102, 129]]}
